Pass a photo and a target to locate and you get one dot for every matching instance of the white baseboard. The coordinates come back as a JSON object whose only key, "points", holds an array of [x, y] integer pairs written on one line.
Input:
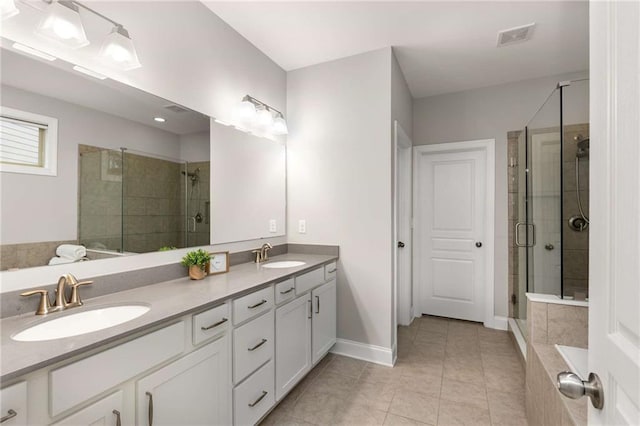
{"points": [[363, 351], [499, 323]]}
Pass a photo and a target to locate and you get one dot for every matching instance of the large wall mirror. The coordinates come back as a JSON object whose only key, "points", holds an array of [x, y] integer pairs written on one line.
{"points": [[125, 181]]}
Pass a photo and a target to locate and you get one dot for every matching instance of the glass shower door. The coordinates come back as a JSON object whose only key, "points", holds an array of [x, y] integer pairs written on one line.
{"points": [[544, 199]]}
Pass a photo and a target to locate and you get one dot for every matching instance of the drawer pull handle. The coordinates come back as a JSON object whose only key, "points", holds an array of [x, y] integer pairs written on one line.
{"points": [[288, 291], [262, 342], [254, 403], [10, 414], [150, 408], [333, 270], [318, 300], [257, 304], [310, 309], [117, 413], [209, 327]]}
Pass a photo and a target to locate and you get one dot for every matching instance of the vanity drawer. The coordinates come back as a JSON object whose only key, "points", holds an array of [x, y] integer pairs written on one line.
{"points": [[14, 398], [306, 282], [252, 304], [330, 271], [77, 382], [252, 346], [285, 291], [253, 398], [210, 323]]}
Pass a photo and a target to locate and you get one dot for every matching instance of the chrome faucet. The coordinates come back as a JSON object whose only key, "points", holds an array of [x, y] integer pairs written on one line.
{"points": [[61, 303], [262, 254]]}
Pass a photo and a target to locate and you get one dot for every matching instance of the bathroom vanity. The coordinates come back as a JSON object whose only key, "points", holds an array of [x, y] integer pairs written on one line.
{"points": [[223, 351]]}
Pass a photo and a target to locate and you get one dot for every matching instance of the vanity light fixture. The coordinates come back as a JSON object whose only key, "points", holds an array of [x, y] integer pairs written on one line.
{"points": [[62, 23], [33, 52], [89, 72], [159, 119], [8, 9], [257, 116], [119, 49]]}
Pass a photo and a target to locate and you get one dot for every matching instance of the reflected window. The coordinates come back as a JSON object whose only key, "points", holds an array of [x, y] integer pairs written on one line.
{"points": [[28, 142]]}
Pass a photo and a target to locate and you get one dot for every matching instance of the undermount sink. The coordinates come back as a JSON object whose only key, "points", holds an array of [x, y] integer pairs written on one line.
{"points": [[81, 323], [284, 264]]}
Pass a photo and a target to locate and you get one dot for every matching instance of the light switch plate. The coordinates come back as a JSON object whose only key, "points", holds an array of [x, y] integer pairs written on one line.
{"points": [[272, 226], [302, 226]]}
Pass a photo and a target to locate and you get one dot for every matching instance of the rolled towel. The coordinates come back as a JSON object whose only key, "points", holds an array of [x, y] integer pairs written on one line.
{"points": [[61, 260], [71, 251]]}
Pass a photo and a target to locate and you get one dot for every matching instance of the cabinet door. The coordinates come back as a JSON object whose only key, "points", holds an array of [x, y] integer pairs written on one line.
{"points": [[13, 403], [194, 390], [323, 300], [293, 343], [105, 412]]}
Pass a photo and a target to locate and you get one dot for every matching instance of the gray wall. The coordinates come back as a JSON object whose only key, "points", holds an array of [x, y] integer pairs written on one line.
{"points": [[50, 210], [339, 181], [487, 113]]}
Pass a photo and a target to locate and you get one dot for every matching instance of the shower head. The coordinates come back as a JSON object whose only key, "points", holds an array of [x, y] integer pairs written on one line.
{"points": [[582, 146]]}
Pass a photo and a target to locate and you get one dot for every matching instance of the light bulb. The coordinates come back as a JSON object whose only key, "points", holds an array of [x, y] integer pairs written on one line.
{"points": [[246, 113]]}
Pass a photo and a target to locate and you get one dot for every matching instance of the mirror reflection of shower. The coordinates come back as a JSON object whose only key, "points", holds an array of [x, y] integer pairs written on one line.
{"points": [[579, 222], [194, 177], [196, 195]]}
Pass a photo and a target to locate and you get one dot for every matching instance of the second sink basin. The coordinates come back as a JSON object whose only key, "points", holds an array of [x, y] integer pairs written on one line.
{"points": [[283, 264], [81, 323]]}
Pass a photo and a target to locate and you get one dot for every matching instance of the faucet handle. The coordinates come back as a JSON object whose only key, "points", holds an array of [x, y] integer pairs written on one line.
{"points": [[44, 307], [74, 299]]}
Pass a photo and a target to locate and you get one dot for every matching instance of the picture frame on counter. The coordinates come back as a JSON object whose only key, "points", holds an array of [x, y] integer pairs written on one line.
{"points": [[219, 263]]}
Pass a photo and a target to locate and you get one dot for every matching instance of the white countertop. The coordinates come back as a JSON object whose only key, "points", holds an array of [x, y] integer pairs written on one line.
{"points": [[168, 300]]}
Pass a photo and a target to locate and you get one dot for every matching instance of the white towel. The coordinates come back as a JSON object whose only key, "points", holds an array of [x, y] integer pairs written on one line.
{"points": [[71, 251], [61, 260]]}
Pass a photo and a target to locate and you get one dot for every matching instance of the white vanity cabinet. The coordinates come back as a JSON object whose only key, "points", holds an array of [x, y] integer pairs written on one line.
{"points": [[195, 390], [305, 328], [13, 405], [293, 343]]}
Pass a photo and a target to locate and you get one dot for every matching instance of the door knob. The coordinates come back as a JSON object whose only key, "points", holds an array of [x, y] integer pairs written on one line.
{"points": [[572, 386], [478, 244], [400, 244]]}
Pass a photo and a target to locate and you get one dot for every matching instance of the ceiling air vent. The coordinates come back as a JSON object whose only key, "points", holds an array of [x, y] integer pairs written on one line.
{"points": [[515, 35], [176, 108]]}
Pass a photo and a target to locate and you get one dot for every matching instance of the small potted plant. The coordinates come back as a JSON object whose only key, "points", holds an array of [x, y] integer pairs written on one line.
{"points": [[198, 262]]}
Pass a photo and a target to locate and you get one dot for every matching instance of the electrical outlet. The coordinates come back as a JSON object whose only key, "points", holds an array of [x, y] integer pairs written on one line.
{"points": [[272, 226], [302, 226]]}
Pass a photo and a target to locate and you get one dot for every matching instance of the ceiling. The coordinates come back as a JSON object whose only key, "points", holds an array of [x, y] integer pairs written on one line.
{"points": [[442, 47]]}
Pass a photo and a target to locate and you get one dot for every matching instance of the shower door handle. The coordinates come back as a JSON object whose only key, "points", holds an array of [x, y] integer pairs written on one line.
{"points": [[533, 234]]}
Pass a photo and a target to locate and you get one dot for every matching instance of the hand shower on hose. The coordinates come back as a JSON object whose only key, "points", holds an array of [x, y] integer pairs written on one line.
{"points": [[579, 222]]}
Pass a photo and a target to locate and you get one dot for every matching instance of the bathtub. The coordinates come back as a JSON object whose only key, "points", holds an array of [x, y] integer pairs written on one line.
{"points": [[576, 358]]}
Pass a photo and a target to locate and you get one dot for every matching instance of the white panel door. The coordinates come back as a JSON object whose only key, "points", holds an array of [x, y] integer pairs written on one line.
{"points": [[105, 412], [323, 324], [293, 343], [614, 240], [450, 218], [194, 390]]}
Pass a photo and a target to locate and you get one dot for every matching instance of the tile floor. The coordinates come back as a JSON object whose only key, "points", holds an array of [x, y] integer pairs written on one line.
{"points": [[448, 373]]}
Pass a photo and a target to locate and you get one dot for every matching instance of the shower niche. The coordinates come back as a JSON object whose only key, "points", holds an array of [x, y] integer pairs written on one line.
{"points": [[548, 173]]}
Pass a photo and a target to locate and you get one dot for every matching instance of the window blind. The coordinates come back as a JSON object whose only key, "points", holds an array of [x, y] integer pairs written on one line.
{"points": [[22, 142]]}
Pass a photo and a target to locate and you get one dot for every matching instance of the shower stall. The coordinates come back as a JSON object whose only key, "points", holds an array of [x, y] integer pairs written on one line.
{"points": [[549, 200]]}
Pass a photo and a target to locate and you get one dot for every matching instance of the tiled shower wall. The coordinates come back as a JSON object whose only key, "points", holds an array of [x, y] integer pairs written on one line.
{"points": [[512, 179], [152, 203]]}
